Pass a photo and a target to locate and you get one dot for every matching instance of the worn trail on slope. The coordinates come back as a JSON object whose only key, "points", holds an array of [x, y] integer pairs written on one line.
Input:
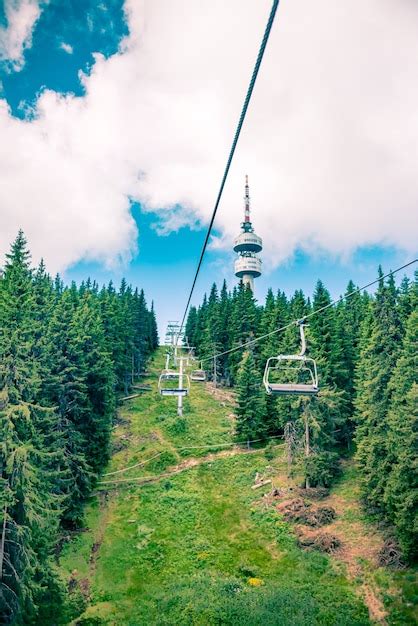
{"points": [[180, 467]]}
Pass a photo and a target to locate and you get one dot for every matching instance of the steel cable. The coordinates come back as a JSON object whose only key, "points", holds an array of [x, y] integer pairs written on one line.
{"points": [[309, 315], [231, 153]]}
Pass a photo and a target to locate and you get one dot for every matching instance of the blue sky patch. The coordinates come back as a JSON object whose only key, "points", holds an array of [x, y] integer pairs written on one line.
{"points": [[83, 25]]}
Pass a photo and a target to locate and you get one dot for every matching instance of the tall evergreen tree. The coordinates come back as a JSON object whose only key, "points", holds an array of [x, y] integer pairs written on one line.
{"points": [[401, 481], [61, 351], [379, 351], [29, 508], [251, 401]]}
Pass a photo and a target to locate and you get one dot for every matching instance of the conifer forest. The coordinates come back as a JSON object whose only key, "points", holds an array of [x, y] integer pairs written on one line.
{"points": [[208, 400], [66, 352], [70, 353]]}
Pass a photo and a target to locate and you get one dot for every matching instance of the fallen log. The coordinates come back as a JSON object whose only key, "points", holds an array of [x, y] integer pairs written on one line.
{"points": [[134, 395], [261, 484]]}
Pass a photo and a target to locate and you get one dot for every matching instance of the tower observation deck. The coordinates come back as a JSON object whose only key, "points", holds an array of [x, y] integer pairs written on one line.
{"points": [[247, 245]]}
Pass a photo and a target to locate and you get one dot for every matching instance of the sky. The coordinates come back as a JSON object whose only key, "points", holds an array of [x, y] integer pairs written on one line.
{"points": [[116, 118]]}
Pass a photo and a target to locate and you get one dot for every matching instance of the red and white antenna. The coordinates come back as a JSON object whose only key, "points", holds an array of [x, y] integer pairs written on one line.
{"points": [[247, 245], [247, 200]]}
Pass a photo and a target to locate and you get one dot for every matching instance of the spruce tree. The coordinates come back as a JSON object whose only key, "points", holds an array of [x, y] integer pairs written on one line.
{"points": [[401, 488], [251, 401], [244, 320], [29, 504], [191, 326], [209, 341], [61, 350], [379, 351], [224, 309], [154, 329]]}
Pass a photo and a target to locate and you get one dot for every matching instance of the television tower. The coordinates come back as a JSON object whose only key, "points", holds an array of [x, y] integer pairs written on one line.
{"points": [[247, 244]]}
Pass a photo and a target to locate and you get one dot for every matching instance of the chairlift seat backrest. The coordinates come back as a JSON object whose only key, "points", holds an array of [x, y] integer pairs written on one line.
{"points": [[168, 387], [198, 375], [169, 374], [295, 363]]}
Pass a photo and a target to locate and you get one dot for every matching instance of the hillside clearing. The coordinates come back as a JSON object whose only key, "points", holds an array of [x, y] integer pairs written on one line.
{"points": [[198, 545]]}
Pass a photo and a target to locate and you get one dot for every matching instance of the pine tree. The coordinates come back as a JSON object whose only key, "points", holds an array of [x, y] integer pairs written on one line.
{"points": [[191, 326], [61, 351], [28, 448], [211, 337], [268, 324], [401, 488], [153, 329], [251, 401], [224, 309], [379, 350], [244, 326], [87, 351], [349, 315], [201, 324]]}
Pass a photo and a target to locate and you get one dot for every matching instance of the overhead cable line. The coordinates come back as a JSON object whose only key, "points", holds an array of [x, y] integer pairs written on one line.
{"points": [[204, 459], [210, 445], [308, 316], [232, 151]]}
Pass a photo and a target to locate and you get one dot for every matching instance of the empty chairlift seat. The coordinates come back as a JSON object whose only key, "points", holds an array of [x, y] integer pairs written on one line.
{"points": [[292, 374], [168, 384], [198, 375]]}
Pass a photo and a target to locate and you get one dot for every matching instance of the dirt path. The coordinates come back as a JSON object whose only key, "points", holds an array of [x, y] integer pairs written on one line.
{"points": [[106, 507], [360, 544]]}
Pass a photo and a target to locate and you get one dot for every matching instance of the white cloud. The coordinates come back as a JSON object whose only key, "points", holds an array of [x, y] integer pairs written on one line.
{"points": [[67, 47], [330, 143], [16, 36]]}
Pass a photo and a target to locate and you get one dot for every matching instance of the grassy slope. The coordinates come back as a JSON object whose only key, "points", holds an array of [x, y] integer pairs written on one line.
{"points": [[198, 547]]}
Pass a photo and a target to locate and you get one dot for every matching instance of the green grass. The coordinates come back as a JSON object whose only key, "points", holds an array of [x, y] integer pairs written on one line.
{"points": [[199, 547], [76, 555]]}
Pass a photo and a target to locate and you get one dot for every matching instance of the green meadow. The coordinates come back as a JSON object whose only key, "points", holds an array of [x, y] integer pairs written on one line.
{"points": [[197, 546]]}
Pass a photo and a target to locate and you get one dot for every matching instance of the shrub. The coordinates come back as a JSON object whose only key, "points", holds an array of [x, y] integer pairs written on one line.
{"points": [[165, 459], [321, 468], [270, 451], [178, 426]]}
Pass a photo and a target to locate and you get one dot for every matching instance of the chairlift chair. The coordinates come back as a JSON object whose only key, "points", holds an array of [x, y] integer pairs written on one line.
{"points": [[198, 375], [167, 384], [298, 372], [169, 374]]}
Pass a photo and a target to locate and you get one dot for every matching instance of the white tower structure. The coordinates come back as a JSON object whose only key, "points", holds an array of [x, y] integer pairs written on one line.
{"points": [[247, 244]]}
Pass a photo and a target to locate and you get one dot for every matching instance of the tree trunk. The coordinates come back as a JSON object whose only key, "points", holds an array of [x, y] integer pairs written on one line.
{"points": [[307, 443], [3, 541]]}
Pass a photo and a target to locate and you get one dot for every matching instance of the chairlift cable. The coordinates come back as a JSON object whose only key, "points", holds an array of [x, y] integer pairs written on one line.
{"points": [[309, 315], [206, 446], [232, 151]]}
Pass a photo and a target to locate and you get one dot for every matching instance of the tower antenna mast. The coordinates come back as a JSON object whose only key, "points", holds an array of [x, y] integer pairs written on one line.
{"points": [[247, 245]]}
